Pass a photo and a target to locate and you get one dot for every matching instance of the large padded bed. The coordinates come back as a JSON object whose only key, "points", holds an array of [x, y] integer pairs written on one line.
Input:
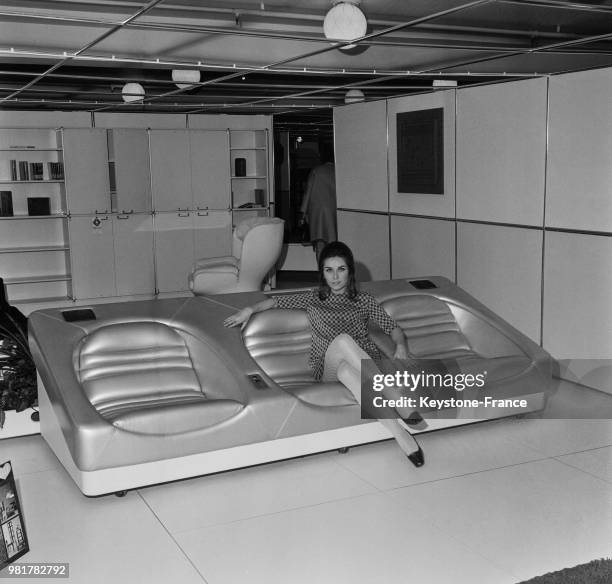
{"points": [[139, 393]]}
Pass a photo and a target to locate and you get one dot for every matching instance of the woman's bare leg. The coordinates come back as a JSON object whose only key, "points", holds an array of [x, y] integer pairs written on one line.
{"points": [[343, 363]]}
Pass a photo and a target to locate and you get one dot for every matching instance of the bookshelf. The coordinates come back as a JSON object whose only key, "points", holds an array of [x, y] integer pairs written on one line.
{"points": [[34, 243], [123, 211], [249, 167]]}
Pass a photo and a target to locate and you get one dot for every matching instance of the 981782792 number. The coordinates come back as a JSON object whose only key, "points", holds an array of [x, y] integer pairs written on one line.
{"points": [[36, 570]]}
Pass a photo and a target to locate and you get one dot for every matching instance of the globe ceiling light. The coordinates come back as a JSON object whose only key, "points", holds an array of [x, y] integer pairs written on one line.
{"points": [[185, 77], [132, 92], [354, 96], [344, 22]]}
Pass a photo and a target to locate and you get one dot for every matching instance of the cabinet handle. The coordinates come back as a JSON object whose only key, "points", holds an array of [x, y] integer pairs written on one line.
{"points": [[103, 218], [183, 214], [202, 208], [124, 216], [124, 212], [205, 214]]}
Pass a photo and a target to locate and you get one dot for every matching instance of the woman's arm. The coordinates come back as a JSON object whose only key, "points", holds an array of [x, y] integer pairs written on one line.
{"points": [[242, 317], [401, 350], [389, 326]]}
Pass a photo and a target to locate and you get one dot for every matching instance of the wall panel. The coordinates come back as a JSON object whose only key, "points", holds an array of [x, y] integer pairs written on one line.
{"points": [[415, 203], [136, 120], [225, 121], [367, 234], [501, 152], [577, 293], [422, 247], [32, 119], [579, 175], [502, 267], [361, 156]]}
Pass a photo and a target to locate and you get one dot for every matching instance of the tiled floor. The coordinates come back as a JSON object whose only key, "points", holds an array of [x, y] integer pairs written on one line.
{"points": [[496, 503]]}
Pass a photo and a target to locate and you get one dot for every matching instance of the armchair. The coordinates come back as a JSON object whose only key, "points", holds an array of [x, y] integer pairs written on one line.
{"points": [[256, 246]]}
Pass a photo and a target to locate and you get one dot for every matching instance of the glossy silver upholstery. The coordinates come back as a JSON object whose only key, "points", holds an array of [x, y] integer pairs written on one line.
{"points": [[157, 390], [140, 378], [279, 341]]}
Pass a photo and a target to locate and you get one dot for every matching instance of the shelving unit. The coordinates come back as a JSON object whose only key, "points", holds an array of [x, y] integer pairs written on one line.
{"points": [[133, 209], [251, 187], [34, 248]]}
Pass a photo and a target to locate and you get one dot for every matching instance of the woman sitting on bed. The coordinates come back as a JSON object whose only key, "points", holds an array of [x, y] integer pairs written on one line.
{"points": [[339, 315]]}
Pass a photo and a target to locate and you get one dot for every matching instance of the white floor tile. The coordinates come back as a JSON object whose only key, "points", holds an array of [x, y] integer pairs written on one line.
{"points": [[104, 539], [596, 462], [448, 453], [28, 454], [576, 401], [362, 540], [530, 519], [555, 435], [254, 491], [558, 437]]}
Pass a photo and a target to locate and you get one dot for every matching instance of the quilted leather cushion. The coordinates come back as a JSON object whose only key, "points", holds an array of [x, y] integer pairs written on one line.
{"points": [[429, 325], [139, 376], [279, 341]]}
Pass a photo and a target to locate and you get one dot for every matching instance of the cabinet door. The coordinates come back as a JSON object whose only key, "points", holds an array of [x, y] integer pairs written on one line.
{"points": [[210, 169], [170, 170], [212, 234], [134, 273], [130, 152], [92, 256], [173, 250], [86, 171]]}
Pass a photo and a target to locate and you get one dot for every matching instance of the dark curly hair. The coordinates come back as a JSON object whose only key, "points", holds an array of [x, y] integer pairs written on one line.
{"points": [[337, 249]]}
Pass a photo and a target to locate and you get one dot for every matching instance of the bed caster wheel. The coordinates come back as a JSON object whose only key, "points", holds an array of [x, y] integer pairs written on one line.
{"points": [[120, 493], [417, 458], [343, 450]]}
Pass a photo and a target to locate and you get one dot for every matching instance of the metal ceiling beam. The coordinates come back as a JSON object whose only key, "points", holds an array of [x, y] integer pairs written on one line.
{"points": [[384, 76], [152, 81], [560, 4], [314, 16], [226, 31], [493, 57], [542, 48], [437, 43], [88, 46], [336, 45]]}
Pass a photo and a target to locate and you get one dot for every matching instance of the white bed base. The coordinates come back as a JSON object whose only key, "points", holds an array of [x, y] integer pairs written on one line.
{"points": [[120, 479]]}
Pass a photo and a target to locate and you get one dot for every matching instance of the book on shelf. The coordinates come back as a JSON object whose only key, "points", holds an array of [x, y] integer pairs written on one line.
{"points": [[13, 170], [6, 203], [36, 170], [24, 171], [56, 170]]}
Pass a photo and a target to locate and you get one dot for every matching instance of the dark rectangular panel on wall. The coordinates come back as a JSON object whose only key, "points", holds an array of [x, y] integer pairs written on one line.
{"points": [[420, 151]]}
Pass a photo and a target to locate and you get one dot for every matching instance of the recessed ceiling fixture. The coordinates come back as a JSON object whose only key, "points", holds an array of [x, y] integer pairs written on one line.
{"points": [[185, 77], [354, 96], [132, 92], [444, 83], [345, 22]]}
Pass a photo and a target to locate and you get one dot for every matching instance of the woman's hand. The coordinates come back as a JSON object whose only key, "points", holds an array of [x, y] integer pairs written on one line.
{"points": [[401, 352], [239, 318]]}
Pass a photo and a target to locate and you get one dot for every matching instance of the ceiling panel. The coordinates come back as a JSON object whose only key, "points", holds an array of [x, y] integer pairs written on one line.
{"points": [[271, 57]]}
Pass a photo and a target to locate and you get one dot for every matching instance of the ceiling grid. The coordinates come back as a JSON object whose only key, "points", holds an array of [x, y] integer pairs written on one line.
{"points": [[267, 57]]}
